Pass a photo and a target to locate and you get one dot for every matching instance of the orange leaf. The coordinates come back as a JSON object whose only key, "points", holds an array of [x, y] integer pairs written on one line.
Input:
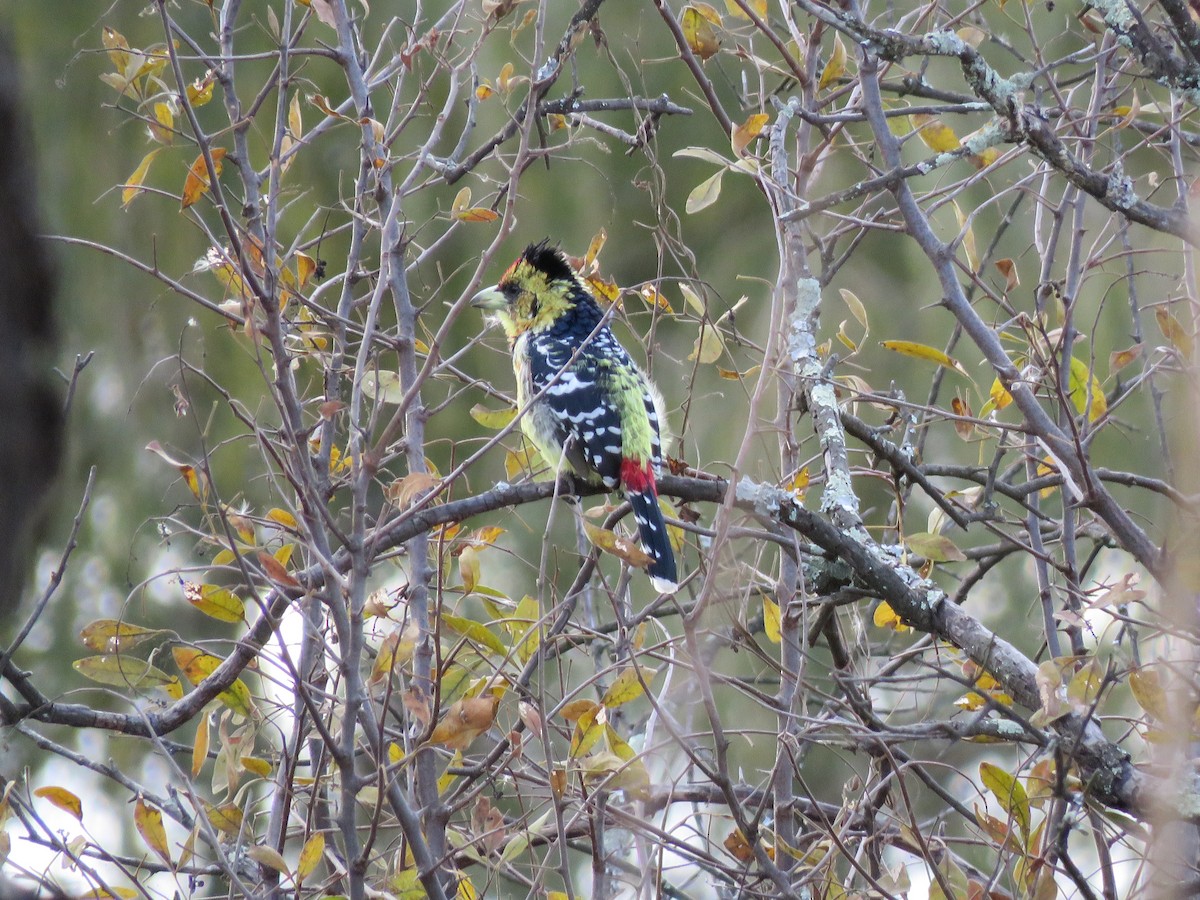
{"points": [[464, 721], [197, 180], [63, 799]]}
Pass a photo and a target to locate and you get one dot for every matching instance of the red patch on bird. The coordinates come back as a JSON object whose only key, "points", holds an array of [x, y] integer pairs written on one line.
{"points": [[637, 476]]}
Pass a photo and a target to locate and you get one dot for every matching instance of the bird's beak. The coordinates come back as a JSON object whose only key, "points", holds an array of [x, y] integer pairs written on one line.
{"points": [[489, 298]]}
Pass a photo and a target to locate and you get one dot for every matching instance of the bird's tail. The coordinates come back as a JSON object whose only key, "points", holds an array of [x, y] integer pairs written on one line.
{"points": [[655, 541]]}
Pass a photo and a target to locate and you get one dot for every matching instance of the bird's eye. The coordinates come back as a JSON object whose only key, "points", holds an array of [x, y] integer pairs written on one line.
{"points": [[533, 308]]}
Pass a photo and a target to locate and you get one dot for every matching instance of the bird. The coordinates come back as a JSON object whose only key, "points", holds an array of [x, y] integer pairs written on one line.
{"points": [[586, 401]]}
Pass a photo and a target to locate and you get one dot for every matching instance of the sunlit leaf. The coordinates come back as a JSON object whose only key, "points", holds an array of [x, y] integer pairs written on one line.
{"points": [[395, 650]]}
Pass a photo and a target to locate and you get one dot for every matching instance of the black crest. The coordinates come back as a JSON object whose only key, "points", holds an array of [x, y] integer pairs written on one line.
{"points": [[549, 259]]}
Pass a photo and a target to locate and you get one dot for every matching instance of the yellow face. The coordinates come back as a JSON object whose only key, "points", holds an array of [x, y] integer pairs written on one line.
{"points": [[525, 299]]}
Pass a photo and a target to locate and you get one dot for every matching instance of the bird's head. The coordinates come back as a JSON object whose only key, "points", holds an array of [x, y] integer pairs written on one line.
{"points": [[535, 292]]}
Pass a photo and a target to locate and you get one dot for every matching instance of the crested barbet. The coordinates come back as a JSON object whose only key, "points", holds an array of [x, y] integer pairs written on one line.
{"points": [[586, 401]]}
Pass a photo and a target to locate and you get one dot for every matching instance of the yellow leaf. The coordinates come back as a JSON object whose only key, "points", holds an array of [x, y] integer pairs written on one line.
{"points": [[215, 602], [603, 288], [1149, 693], [112, 636], [283, 518], [200, 746], [772, 620], [149, 824], [133, 185], [200, 91], [197, 665], [746, 132], [493, 418], [836, 67], [468, 568], [625, 687], [1009, 793], [226, 818], [589, 729], [1174, 332], [927, 353], [63, 799], [599, 239], [395, 650], [698, 32], [998, 395], [310, 855], [937, 136], [759, 7], [258, 766], [197, 180], [1085, 391], [885, 617]]}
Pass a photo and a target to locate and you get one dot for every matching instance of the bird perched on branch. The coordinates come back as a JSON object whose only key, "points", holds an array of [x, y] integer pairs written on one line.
{"points": [[587, 402]]}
